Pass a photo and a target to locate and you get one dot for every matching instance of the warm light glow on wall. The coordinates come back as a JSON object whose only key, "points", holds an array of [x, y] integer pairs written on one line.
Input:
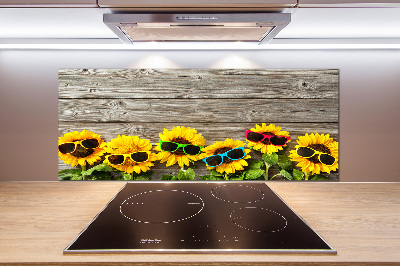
{"points": [[155, 61], [234, 61]]}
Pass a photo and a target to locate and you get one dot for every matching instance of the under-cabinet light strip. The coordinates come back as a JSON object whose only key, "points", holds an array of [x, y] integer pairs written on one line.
{"points": [[276, 44]]}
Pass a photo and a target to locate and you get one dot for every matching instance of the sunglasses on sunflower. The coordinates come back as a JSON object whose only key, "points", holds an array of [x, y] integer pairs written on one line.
{"points": [[70, 147], [323, 157], [273, 139], [138, 157], [188, 149], [217, 159]]}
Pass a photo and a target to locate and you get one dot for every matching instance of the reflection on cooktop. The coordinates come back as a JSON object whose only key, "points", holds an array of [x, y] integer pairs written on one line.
{"points": [[198, 217]]}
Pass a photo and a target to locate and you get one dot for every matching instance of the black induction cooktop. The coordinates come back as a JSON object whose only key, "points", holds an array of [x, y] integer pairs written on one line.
{"points": [[198, 217]]}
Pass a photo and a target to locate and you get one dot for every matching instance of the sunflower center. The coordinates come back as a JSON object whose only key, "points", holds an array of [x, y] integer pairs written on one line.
{"points": [[318, 147], [81, 152], [266, 141], [223, 150], [181, 141]]}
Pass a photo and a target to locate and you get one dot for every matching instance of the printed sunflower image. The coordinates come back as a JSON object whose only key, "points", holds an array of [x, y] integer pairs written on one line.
{"points": [[130, 154], [180, 145], [267, 139], [316, 153], [226, 157], [80, 148]]}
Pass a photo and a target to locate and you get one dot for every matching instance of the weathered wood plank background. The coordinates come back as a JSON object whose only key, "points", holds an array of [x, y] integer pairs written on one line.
{"points": [[218, 103]]}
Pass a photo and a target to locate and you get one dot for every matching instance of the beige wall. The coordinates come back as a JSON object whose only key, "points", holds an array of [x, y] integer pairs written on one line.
{"points": [[369, 96]]}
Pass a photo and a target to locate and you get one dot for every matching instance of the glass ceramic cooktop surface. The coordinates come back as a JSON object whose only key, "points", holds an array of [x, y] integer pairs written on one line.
{"points": [[198, 217]]}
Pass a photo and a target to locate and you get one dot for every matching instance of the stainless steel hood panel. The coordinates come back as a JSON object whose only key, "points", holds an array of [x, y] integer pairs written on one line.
{"points": [[177, 27], [196, 3]]}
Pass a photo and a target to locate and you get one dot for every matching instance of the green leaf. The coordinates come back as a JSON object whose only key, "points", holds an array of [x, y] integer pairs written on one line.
{"points": [[270, 159], [126, 176], [254, 164], [215, 173], [188, 174], [211, 177], [76, 177], [242, 174], [167, 177], [297, 175], [285, 174], [100, 168], [70, 174], [182, 175], [236, 178], [254, 174], [319, 177], [143, 175], [284, 162], [96, 175]]}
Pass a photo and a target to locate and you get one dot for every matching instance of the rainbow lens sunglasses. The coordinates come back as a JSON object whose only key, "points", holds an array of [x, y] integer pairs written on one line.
{"points": [[273, 140], [188, 149], [217, 159], [323, 157], [70, 147], [138, 157]]}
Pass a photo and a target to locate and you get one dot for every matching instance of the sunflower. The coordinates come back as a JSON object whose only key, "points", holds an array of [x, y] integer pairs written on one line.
{"points": [[80, 154], [228, 166], [317, 142], [265, 146], [128, 145], [180, 135]]}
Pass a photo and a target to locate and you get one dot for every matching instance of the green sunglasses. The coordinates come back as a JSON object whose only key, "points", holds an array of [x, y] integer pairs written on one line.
{"points": [[188, 149]]}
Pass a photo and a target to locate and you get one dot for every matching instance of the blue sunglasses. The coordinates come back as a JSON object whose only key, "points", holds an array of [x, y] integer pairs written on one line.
{"points": [[217, 159]]}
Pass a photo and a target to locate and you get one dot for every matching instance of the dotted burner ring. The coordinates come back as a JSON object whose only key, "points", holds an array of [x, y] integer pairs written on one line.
{"points": [[161, 206], [260, 220], [237, 194]]}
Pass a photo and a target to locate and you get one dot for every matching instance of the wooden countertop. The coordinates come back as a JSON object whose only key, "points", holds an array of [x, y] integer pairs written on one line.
{"points": [[360, 220]]}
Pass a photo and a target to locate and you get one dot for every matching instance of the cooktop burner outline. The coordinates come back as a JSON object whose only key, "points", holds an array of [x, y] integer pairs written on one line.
{"points": [[258, 197], [236, 220], [191, 217], [141, 204]]}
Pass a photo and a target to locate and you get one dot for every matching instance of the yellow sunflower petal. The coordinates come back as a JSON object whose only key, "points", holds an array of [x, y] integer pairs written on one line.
{"points": [[172, 159], [185, 160], [180, 161], [137, 169]]}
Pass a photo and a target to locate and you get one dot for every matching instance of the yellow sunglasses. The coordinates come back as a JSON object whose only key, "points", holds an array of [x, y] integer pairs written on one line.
{"points": [[139, 157], [323, 157]]}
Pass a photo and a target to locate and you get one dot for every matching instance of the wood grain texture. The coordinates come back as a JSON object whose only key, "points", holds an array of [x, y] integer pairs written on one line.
{"points": [[360, 220], [198, 83], [198, 110], [219, 103]]}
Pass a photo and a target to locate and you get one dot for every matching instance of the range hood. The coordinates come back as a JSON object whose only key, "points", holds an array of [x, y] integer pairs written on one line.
{"points": [[257, 28]]}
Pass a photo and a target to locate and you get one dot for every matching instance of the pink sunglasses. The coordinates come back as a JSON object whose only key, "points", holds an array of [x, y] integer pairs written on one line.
{"points": [[273, 140]]}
